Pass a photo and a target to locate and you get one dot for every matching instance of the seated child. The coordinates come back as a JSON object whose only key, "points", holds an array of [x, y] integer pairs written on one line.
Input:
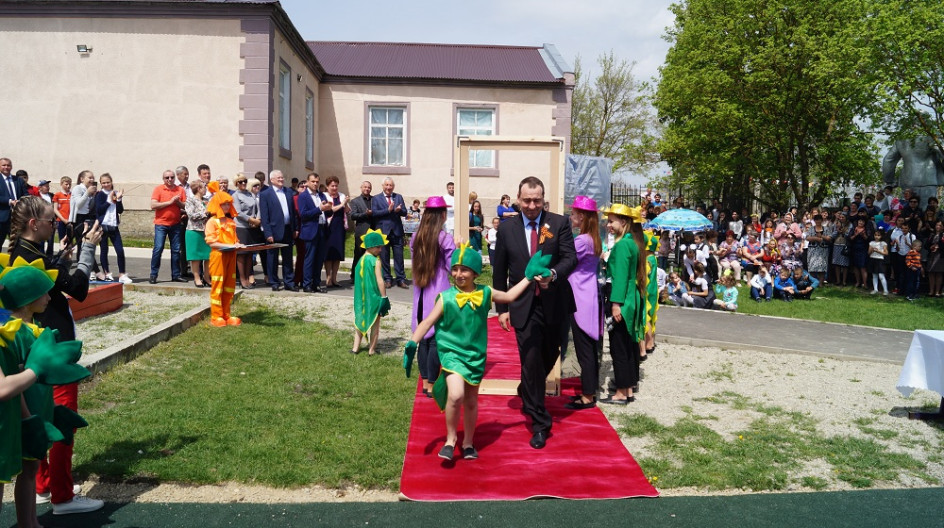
{"points": [[783, 285], [727, 289], [460, 316], [762, 287], [370, 292], [31, 362], [702, 295], [678, 292], [804, 283]]}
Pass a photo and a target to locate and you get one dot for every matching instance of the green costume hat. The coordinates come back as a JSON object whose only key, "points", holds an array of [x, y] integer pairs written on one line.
{"points": [[373, 238], [25, 282], [652, 241], [468, 257]]}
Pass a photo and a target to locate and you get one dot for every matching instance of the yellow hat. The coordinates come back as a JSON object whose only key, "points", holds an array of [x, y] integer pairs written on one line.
{"points": [[624, 210]]}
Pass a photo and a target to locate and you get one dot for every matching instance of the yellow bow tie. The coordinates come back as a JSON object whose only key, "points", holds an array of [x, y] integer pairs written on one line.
{"points": [[9, 330], [474, 298]]}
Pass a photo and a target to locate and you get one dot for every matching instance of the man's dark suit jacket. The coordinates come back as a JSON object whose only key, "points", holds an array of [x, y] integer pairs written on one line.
{"points": [[308, 215], [5, 196], [359, 208], [270, 213], [389, 222], [512, 253]]}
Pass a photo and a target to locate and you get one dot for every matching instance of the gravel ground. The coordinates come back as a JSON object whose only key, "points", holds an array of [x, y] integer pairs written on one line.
{"points": [[676, 378]]}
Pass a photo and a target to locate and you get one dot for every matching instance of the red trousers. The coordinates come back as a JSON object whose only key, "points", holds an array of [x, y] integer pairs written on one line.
{"points": [[55, 473]]}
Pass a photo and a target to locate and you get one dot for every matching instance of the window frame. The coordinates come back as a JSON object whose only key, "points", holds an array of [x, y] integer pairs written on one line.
{"points": [[369, 168], [309, 129], [285, 109], [477, 171]]}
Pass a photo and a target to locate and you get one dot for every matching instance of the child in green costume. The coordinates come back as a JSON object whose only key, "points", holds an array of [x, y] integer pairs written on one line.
{"points": [[370, 293], [30, 363], [460, 316]]}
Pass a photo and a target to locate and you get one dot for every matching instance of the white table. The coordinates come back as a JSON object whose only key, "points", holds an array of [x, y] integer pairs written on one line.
{"points": [[924, 369]]}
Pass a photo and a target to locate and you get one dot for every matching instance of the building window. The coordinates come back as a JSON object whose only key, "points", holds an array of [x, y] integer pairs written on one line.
{"points": [[310, 129], [477, 122], [387, 136], [285, 110]]}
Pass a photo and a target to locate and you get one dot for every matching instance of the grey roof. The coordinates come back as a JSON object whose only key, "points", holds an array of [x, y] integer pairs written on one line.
{"points": [[439, 62]]}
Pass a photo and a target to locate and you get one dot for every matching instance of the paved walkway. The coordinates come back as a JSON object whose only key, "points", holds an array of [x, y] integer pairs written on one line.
{"points": [[685, 325]]}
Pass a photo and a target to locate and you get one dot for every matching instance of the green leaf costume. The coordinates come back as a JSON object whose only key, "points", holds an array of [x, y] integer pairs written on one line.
{"points": [[462, 337], [652, 293], [11, 444], [621, 270], [367, 299]]}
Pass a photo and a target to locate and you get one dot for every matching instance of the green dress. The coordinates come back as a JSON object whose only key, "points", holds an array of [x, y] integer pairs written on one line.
{"points": [[621, 270], [461, 339], [366, 294]]}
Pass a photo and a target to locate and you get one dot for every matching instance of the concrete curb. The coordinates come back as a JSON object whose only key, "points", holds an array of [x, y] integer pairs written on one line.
{"points": [[697, 342], [136, 345]]}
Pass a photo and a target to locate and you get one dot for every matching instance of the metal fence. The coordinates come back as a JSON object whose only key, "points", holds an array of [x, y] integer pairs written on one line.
{"points": [[631, 195]]}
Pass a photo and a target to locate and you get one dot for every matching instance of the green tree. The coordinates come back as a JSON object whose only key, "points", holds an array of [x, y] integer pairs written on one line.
{"points": [[764, 100], [612, 116], [907, 39]]}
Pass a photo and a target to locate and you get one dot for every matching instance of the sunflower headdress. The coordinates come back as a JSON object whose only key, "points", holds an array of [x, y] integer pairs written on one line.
{"points": [[373, 238], [23, 282]]}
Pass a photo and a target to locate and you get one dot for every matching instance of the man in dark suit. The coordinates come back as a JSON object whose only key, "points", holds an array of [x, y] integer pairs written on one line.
{"points": [[389, 209], [12, 190], [538, 313], [279, 225], [363, 217], [310, 231]]}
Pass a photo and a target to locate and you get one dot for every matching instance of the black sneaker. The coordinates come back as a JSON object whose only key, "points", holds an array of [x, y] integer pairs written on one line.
{"points": [[469, 453], [446, 452]]}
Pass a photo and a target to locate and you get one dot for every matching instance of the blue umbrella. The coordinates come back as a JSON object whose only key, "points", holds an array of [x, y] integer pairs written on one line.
{"points": [[679, 220]]}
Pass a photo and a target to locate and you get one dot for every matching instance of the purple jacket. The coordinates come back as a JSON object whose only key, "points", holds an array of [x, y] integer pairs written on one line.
{"points": [[583, 280], [439, 284]]}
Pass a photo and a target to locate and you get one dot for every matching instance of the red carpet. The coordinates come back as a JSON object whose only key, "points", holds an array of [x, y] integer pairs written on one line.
{"points": [[584, 457]]}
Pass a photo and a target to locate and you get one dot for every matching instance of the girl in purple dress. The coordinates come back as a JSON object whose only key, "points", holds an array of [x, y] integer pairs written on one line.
{"points": [[586, 321], [431, 248]]}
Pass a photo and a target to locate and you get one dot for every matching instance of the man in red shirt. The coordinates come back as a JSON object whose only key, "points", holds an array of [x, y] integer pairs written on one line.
{"points": [[167, 202]]}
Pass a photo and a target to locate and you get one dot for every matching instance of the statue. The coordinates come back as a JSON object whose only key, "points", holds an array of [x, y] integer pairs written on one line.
{"points": [[923, 168]]}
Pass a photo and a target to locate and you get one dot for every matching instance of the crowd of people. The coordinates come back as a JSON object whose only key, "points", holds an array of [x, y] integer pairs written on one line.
{"points": [[878, 243]]}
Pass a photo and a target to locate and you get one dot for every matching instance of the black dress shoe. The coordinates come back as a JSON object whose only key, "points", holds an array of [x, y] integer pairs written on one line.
{"points": [[538, 440], [308, 290], [403, 285], [293, 288], [321, 289], [388, 284], [276, 287], [580, 405], [179, 279], [153, 280]]}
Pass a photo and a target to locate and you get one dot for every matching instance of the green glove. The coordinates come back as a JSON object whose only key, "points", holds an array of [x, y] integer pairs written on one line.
{"points": [[409, 352], [35, 439], [67, 421], [441, 391], [384, 307], [538, 265], [55, 363]]}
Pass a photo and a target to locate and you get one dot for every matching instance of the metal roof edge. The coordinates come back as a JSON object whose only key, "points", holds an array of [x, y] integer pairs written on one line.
{"points": [[554, 61]]}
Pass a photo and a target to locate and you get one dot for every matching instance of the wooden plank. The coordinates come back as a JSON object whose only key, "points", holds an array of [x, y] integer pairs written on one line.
{"points": [[100, 300]]}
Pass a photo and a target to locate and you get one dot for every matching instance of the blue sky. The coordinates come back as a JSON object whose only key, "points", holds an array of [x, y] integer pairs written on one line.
{"points": [[632, 29]]}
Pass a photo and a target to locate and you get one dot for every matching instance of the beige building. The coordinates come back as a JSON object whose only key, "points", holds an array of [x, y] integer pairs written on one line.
{"points": [[133, 88]]}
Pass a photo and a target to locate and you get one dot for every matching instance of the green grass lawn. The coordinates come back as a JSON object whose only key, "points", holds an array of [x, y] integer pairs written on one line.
{"points": [[847, 305], [277, 401]]}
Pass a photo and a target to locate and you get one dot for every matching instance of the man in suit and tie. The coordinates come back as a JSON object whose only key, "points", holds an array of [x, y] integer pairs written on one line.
{"points": [[277, 213], [12, 190], [363, 217], [310, 231], [537, 314], [388, 210]]}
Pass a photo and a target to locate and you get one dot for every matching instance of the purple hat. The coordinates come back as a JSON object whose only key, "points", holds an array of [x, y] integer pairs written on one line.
{"points": [[436, 202], [585, 203]]}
